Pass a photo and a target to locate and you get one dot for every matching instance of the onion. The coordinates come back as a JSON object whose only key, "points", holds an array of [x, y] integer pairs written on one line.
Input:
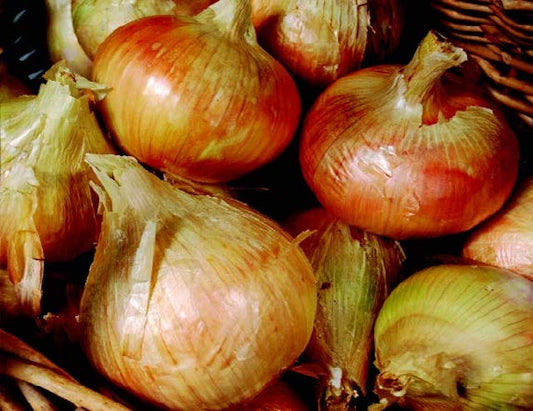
{"points": [[355, 272], [410, 151], [192, 301], [61, 39], [211, 104], [279, 396], [457, 337], [506, 239], [46, 205], [319, 41], [93, 20]]}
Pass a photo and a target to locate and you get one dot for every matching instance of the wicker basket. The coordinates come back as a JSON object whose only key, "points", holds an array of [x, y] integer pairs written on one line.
{"points": [[498, 35]]}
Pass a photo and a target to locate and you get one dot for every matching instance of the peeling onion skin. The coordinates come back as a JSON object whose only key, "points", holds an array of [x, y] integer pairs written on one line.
{"points": [[457, 337], [192, 301], [195, 99], [409, 151], [506, 239]]}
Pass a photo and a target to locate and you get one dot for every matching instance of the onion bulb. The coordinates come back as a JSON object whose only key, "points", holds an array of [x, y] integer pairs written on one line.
{"points": [[210, 105], [192, 301], [93, 20], [320, 41], [279, 396], [355, 272], [46, 204], [61, 39], [457, 337], [506, 239], [409, 151]]}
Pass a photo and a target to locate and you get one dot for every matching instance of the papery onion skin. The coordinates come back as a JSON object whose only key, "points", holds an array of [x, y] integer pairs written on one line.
{"points": [[457, 337], [506, 239], [47, 210], [405, 152], [355, 272], [210, 104], [93, 20], [192, 302]]}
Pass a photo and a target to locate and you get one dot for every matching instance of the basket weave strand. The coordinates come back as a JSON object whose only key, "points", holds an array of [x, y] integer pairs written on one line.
{"points": [[498, 35]]}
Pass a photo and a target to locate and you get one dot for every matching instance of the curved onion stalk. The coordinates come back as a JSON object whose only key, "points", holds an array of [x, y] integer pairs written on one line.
{"points": [[192, 301], [457, 337], [213, 104], [410, 151], [61, 39], [93, 20], [355, 272], [506, 239], [46, 205]]}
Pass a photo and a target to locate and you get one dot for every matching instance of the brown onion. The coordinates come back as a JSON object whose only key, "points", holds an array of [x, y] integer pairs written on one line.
{"points": [[208, 103], [506, 239], [409, 151], [279, 396], [320, 41], [192, 302]]}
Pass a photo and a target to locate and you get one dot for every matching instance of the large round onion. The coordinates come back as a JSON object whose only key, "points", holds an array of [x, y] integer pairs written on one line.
{"points": [[506, 239], [197, 97], [409, 151], [457, 337], [192, 302]]}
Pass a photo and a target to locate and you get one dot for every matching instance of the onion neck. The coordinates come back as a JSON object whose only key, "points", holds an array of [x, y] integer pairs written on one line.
{"points": [[233, 17], [419, 376], [432, 58]]}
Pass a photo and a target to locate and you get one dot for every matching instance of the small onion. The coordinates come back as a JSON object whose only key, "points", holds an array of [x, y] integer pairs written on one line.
{"points": [[355, 272], [320, 41], [410, 151], [192, 301], [457, 337], [46, 204], [506, 239], [61, 39], [208, 103], [94, 20]]}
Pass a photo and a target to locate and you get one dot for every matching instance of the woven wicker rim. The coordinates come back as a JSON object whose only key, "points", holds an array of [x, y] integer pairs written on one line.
{"points": [[498, 35]]}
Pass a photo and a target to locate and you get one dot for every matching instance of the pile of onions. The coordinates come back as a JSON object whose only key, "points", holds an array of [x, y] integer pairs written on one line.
{"points": [[93, 21], [355, 272], [409, 151], [506, 239], [320, 41], [197, 97], [192, 301], [457, 337], [47, 209]]}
